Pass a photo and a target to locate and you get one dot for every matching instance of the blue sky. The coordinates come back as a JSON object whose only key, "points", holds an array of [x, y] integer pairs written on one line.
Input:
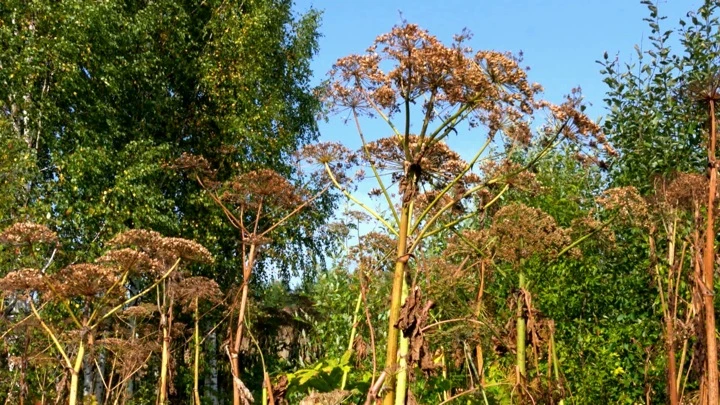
{"points": [[561, 39]]}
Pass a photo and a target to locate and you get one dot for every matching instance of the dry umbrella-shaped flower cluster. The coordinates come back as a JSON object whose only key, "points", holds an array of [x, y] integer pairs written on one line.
{"points": [[627, 203], [26, 233], [90, 293], [521, 233]]}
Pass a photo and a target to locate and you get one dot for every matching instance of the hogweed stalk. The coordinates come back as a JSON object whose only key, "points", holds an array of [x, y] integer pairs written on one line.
{"points": [[451, 85]]}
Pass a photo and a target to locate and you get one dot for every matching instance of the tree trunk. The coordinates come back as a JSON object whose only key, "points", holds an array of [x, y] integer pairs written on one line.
{"points": [[99, 387], [87, 378], [211, 377]]}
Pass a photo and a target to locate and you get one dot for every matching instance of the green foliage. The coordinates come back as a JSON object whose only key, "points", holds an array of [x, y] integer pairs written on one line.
{"points": [[325, 376], [102, 97], [99, 99], [655, 120]]}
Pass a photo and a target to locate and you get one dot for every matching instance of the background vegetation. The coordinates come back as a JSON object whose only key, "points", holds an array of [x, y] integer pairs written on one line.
{"points": [[172, 231]]}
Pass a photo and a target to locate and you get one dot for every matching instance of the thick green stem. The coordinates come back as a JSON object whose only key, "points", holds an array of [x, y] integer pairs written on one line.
{"points": [[521, 327], [556, 366], [395, 303], [353, 331], [196, 364], [401, 385], [75, 374], [166, 319]]}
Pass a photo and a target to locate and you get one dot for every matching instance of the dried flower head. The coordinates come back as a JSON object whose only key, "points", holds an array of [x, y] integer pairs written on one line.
{"points": [[339, 230], [194, 164], [512, 173], [684, 191], [262, 187], [492, 83], [130, 354], [521, 232], [23, 280], [85, 280], [454, 199], [158, 248], [468, 243], [572, 124], [589, 224], [197, 288], [140, 238], [143, 310], [131, 260], [431, 164], [329, 155], [27, 233], [186, 249], [627, 203], [374, 252], [706, 88]]}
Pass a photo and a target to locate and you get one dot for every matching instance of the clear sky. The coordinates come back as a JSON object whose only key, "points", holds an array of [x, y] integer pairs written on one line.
{"points": [[561, 39]]}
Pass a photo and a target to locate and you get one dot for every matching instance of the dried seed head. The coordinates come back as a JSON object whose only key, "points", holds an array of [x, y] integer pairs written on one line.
{"points": [[512, 173], [337, 157], [374, 252], [432, 164], [521, 232], [453, 199], [159, 249], [587, 224], [186, 249], [194, 164], [85, 280], [133, 261], [328, 153], [419, 64], [23, 280], [265, 187], [130, 354], [684, 191], [576, 127], [143, 310], [27, 233], [140, 238], [627, 203], [469, 243], [200, 288]]}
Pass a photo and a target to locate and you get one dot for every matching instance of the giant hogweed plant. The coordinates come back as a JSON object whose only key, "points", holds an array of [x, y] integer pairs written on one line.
{"points": [[257, 204], [426, 91], [90, 295]]}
